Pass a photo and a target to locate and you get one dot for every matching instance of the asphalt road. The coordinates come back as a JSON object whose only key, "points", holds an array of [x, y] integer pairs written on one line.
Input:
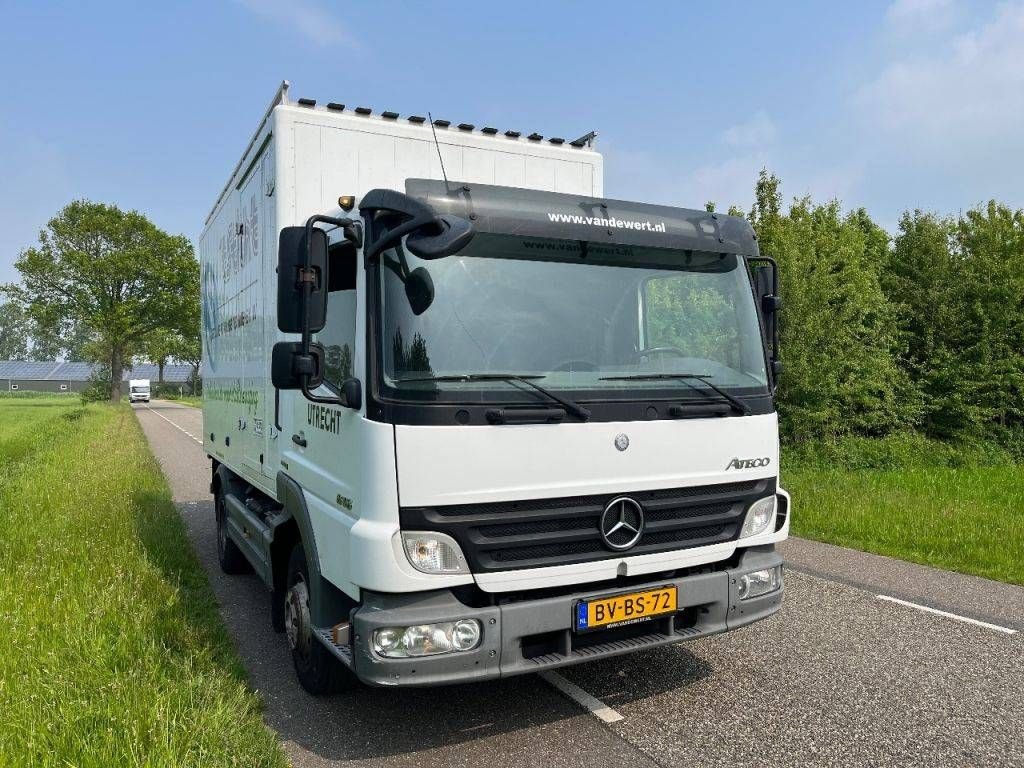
{"points": [[838, 677]]}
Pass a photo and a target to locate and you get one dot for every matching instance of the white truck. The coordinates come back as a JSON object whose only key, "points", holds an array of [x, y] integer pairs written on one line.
{"points": [[138, 390], [470, 418]]}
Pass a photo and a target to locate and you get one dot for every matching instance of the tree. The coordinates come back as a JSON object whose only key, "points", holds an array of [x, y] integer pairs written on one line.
{"points": [[959, 286], [159, 347], [115, 274], [46, 343], [191, 353], [14, 331], [839, 334]]}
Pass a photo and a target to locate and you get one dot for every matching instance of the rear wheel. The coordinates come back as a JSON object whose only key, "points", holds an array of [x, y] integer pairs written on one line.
{"points": [[318, 670], [230, 557]]}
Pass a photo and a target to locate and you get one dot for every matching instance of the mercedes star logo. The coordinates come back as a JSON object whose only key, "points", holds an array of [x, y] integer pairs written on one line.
{"points": [[622, 523], [622, 441]]}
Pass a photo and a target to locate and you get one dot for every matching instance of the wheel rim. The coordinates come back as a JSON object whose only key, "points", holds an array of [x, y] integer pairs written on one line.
{"points": [[297, 624]]}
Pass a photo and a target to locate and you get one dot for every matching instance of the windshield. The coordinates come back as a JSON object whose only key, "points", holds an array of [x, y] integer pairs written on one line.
{"points": [[585, 318]]}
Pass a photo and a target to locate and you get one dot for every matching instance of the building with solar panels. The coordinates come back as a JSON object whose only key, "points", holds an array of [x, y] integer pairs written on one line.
{"points": [[58, 376]]}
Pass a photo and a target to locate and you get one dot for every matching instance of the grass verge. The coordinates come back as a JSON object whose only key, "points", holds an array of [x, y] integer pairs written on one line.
{"points": [[194, 400], [114, 652], [965, 519]]}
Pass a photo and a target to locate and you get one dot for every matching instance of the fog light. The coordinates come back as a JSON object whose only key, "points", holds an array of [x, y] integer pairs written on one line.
{"points": [[760, 515], [387, 640], [433, 552], [427, 639], [466, 635], [757, 583]]}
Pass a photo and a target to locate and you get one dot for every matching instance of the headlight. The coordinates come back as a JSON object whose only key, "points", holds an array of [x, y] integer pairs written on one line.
{"points": [[433, 552], [757, 583], [427, 639], [760, 516]]}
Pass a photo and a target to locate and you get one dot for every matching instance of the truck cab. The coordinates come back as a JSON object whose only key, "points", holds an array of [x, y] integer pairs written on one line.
{"points": [[498, 430]]}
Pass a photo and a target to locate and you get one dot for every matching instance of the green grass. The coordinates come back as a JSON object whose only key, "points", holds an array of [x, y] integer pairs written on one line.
{"points": [[113, 651], [967, 519], [194, 400]]}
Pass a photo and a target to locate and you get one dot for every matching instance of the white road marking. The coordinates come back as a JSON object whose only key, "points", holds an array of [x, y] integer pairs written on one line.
{"points": [[181, 429], [937, 612], [595, 706]]}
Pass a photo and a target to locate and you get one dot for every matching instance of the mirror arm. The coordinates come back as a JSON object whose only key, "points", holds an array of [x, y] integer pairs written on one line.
{"points": [[307, 285]]}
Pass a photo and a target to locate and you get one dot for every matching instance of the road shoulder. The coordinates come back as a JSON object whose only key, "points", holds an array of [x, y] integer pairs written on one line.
{"points": [[970, 596]]}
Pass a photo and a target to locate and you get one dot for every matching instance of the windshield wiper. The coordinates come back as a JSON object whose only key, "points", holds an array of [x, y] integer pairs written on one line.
{"points": [[574, 408], [738, 405]]}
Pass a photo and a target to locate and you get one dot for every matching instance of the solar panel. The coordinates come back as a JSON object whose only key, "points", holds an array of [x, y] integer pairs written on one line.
{"points": [[25, 369], [56, 370]]}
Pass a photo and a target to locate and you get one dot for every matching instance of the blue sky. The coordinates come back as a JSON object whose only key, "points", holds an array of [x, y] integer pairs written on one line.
{"points": [[889, 105]]}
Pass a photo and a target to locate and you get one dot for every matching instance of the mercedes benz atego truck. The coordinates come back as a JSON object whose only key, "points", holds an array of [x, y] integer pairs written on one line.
{"points": [[469, 417]]}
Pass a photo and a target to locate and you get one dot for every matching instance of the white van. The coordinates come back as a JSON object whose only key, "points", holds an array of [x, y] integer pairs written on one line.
{"points": [[138, 391]]}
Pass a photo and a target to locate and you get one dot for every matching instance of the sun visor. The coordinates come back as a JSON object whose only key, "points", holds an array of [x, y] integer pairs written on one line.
{"points": [[533, 213]]}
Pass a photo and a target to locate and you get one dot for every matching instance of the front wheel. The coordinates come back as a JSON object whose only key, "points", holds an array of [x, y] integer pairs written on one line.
{"points": [[318, 670]]}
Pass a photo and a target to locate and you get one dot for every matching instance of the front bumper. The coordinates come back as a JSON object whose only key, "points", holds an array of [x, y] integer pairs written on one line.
{"points": [[534, 635]]}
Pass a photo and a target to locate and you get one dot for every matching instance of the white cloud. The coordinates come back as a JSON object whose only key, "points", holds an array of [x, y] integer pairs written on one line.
{"points": [[756, 132], [917, 16], [968, 91], [307, 18]]}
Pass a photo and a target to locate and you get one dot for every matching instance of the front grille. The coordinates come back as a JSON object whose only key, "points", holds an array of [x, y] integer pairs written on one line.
{"points": [[499, 536]]}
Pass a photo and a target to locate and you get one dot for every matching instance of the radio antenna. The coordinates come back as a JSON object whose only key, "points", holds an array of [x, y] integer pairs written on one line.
{"points": [[433, 130]]}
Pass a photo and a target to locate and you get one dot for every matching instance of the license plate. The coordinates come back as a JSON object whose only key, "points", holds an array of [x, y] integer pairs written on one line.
{"points": [[622, 610]]}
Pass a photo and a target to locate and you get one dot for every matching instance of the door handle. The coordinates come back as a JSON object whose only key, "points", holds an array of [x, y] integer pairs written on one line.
{"points": [[299, 440]]}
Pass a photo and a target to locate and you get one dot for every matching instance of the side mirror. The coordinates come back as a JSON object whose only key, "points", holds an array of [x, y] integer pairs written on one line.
{"points": [[447, 235], [419, 290], [292, 276], [764, 277], [289, 367]]}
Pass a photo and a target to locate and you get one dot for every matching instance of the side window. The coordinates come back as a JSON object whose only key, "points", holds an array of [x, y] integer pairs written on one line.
{"points": [[339, 335], [694, 313]]}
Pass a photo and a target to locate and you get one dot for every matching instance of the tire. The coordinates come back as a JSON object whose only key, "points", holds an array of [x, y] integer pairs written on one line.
{"points": [[230, 557], [319, 672]]}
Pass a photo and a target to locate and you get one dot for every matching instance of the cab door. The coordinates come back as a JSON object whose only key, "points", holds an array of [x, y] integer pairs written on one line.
{"points": [[324, 444]]}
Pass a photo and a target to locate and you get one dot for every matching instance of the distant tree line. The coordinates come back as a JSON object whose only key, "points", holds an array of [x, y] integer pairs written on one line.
{"points": [[921, 331], [106, 286]]}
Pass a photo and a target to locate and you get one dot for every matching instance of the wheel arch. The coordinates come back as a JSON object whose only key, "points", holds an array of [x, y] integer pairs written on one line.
{"points": [[328, 604]]}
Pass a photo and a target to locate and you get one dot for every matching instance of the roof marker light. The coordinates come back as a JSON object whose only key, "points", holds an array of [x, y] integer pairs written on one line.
{"points": [[535, 136], [489, 131], [364, 111], [418, 119], [466, 126], [556, 140], [442, 123], [335, 106], [307, 102], [513, 134], [388, 115]]}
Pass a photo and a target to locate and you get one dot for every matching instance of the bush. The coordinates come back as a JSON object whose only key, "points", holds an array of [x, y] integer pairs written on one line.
{"points": [[97, 389]]}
